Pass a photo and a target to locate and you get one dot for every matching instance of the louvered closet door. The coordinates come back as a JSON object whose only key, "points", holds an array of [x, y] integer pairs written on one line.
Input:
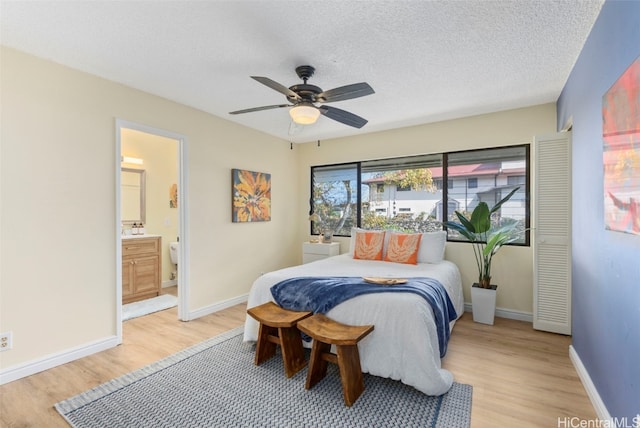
{"points": [[552, 234]]}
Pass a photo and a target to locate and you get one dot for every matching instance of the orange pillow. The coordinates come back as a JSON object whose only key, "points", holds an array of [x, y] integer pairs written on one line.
{"points": [[403, 248], [369, 245]]}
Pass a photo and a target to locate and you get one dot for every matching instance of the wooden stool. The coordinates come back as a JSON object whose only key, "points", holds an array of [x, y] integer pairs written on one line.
{"points": [[278, 327], [327, 332]]}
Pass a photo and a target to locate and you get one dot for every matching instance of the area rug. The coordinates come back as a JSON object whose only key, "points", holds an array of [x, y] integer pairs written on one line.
{"points": [[216, 384], [148, 306]]}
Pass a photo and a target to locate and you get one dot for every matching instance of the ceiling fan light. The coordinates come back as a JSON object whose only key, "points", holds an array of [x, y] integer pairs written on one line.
{"points": [[304, 114]]}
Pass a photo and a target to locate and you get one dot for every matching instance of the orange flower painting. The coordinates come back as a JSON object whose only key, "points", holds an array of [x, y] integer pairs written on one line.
{"points": [[251, 196], [173, 196]]}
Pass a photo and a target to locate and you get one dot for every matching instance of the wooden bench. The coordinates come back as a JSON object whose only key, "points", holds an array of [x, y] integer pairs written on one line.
{"points": [[278, 327], [326, 332]]}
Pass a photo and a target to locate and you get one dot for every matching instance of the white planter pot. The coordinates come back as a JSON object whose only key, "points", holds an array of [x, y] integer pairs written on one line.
{"points": [[483, 302]]}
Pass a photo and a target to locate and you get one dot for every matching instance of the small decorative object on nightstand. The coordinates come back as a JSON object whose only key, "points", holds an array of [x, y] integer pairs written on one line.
{"points": [[317, 251]]}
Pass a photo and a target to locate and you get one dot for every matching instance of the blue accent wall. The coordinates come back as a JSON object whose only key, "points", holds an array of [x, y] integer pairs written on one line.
{"points": [[606, 264]]}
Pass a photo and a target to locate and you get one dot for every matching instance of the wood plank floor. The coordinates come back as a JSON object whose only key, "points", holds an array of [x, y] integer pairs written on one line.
{"points": [[520, 377]]}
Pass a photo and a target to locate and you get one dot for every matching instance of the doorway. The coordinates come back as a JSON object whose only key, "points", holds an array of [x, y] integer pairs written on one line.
{"points": [[159, 203]]}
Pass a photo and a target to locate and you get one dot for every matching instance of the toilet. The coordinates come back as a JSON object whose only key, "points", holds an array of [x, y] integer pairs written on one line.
{"points": [[174, 251]]}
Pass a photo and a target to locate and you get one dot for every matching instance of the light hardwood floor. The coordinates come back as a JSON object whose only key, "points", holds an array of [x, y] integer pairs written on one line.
{"points": [[520, 377]]}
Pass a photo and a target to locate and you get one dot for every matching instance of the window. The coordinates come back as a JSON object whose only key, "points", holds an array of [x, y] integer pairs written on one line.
{"points": [[334, 197], [407, 194], [491, 172], [438, 183], [516, 179], [410, 201]]}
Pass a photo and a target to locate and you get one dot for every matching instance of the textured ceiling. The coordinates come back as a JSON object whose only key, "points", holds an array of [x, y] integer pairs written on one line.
{"points": [[426, 60]]}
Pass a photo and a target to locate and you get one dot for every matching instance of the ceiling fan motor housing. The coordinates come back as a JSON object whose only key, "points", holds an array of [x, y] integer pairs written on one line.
{"points": [[306, 92]]}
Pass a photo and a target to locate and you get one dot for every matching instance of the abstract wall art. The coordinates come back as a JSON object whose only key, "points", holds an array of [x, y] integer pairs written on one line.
{"points": [[621, 152], [173, 196], [251, 193]]}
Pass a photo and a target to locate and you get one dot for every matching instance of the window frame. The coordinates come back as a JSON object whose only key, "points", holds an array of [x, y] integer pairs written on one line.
{"points": [[445, 179]]}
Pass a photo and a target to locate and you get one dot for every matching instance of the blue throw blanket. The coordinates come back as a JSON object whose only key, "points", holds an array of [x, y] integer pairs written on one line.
{"points": [[321, 294]]}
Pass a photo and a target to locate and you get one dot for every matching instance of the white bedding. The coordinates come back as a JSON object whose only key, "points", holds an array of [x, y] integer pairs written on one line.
{"points": [[404, 344]]}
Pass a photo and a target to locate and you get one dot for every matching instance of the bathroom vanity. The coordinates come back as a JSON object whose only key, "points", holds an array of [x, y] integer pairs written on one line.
{"points": [[141, 267]]}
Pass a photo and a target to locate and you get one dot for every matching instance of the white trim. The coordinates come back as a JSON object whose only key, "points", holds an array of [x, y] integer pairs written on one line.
{"points": [[118, 232], [19, 371], [507, 313], [217, 307], [170, 283], [183, 231], [183, 272], [592, 392]]}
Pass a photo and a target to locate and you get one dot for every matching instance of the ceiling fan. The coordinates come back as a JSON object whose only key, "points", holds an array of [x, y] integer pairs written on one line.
{"points": [[303, 97]]}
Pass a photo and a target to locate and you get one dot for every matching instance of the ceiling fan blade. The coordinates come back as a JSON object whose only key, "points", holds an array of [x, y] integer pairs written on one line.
{"points": [[347, 92], [249, 110], [278, 87], [343, 116]]}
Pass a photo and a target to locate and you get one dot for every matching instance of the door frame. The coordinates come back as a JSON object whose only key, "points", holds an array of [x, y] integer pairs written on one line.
{"points": [[183, 232]]}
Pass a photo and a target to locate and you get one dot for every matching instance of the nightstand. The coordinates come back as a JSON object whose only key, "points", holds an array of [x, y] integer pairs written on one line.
{"points": [[312, 251]]}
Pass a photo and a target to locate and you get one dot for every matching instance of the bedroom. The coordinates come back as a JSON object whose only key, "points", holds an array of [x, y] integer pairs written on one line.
{"points": [[75, 132]]}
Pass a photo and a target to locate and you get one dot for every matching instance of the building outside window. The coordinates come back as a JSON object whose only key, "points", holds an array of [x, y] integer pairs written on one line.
{"points": [[407, 194], [491, 170]]}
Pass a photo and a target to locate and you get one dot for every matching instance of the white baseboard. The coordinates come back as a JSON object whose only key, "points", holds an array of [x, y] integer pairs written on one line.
{"points": [[19, 371], [216, 307], [592, 392], [169, 283], [507, 313]]}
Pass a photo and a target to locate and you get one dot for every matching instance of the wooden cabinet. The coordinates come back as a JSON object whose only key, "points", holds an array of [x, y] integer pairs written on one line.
{"points": [[141, 268], [312, 251]]}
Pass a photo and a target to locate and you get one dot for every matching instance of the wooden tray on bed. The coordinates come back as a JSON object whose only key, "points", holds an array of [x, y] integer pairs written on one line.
{"points": [[385, 281]]}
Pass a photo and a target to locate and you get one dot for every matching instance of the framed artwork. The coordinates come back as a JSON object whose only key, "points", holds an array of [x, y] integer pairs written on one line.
{"points": [[173, 196], [251, 193], [621, 152]]}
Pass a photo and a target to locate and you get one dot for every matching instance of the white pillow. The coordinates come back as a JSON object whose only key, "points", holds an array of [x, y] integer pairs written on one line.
{"points": [[432, 247]]}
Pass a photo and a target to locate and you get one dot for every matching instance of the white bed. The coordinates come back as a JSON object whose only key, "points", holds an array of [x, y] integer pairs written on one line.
{"points": [[404, 343]]}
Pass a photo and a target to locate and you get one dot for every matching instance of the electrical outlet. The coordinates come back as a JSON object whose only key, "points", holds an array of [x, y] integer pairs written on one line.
{"points": [[6, 341]]}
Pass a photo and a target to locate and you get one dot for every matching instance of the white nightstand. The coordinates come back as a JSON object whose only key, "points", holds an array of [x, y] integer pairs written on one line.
{"points": [[312, 251]]}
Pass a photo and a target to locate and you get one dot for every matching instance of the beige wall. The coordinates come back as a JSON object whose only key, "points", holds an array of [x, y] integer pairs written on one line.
{"points": [[512, 268], [160, 156], [58, 232], [58, 222]]}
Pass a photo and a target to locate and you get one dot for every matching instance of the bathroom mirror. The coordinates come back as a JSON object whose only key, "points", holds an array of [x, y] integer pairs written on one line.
{"points": [[132, 196]]}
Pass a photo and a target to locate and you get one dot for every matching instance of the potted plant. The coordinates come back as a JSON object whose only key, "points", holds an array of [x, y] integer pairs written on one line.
{"points": [[486, 240], [325, 232]]}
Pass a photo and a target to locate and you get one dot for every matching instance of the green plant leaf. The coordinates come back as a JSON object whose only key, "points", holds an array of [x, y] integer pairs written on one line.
{"points": [[497, 206], [504, 235], [481, 218], [461, 229], [486, 242], [465, 222]]}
